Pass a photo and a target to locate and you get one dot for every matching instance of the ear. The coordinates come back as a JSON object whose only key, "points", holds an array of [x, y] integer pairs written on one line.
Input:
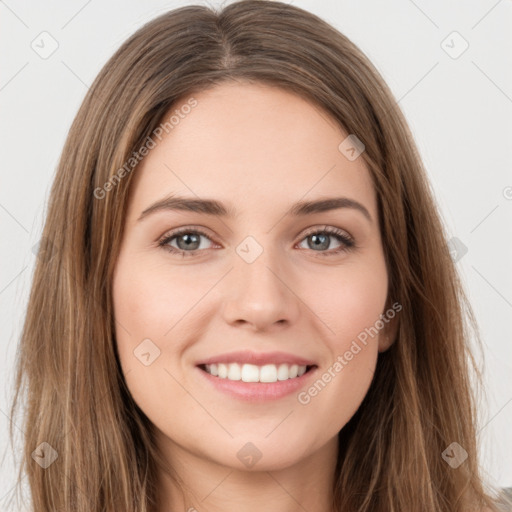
{"points": [[388, 334]]}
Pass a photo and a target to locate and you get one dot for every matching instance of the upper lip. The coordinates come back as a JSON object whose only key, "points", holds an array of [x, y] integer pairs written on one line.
{"points": [[257, 358]]}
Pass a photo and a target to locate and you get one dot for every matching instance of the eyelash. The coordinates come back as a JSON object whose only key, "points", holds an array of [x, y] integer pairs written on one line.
{"points": [[348, 242]]}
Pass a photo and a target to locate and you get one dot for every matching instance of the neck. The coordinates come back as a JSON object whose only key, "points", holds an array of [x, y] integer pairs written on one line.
{"points": [[305, 485]]}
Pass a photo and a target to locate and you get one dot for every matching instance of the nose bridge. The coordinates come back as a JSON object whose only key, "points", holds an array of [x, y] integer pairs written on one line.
{"points": [[258, 292], [257, 269]]}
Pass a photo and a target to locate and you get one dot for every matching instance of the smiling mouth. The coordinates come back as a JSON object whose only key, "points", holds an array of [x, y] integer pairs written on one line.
{"points": [[267, 373]]}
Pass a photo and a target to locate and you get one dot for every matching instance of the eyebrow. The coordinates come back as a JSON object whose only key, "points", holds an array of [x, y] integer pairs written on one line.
{"points": [[213, 207]]}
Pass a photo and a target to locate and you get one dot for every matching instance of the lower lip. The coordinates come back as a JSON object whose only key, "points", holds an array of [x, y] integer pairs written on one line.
{"points": [[258, 391]]}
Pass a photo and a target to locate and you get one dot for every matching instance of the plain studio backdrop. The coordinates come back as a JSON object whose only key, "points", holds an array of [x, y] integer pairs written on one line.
{"points": [[449, 67]]}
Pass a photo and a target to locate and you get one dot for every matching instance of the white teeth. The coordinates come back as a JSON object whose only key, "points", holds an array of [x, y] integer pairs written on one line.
{"points": [[250, 373], [294, 370], [234, 372], [253, 373], [268, 373], [223, 371]]}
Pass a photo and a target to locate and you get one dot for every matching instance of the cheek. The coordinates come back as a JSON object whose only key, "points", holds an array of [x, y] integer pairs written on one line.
{"points": [[349, 313], [353, 306], [149, 300], [150, 308]]}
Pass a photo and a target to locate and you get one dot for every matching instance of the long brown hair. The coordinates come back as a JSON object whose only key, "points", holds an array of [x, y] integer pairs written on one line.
{"points": [[420, 400]]}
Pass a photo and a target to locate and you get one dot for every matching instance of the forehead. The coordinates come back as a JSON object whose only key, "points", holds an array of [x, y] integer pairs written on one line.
{"points": [[252, 146]]}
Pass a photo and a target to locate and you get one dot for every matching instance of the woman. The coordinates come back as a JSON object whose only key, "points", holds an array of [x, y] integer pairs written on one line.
{"points": [[244, 294]]}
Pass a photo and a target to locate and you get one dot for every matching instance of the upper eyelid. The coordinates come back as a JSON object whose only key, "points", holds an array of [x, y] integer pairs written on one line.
{"points": [[187, 229], [326, 227]]}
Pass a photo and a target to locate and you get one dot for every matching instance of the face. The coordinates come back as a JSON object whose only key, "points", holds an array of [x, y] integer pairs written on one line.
{"points": [[266, 278]]}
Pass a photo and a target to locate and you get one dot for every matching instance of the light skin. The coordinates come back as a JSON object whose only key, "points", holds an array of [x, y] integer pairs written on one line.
{"points": [[258, 150]]}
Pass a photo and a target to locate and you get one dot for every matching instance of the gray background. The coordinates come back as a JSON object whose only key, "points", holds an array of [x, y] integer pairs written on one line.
{"points": [[459, 108]]}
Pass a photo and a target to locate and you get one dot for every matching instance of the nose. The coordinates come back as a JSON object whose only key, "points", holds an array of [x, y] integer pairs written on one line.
{"points": [[260, 295]]}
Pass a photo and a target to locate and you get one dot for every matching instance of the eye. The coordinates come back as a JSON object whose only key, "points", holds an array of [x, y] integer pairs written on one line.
{"points": [[321, 239], [188, 241]]}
